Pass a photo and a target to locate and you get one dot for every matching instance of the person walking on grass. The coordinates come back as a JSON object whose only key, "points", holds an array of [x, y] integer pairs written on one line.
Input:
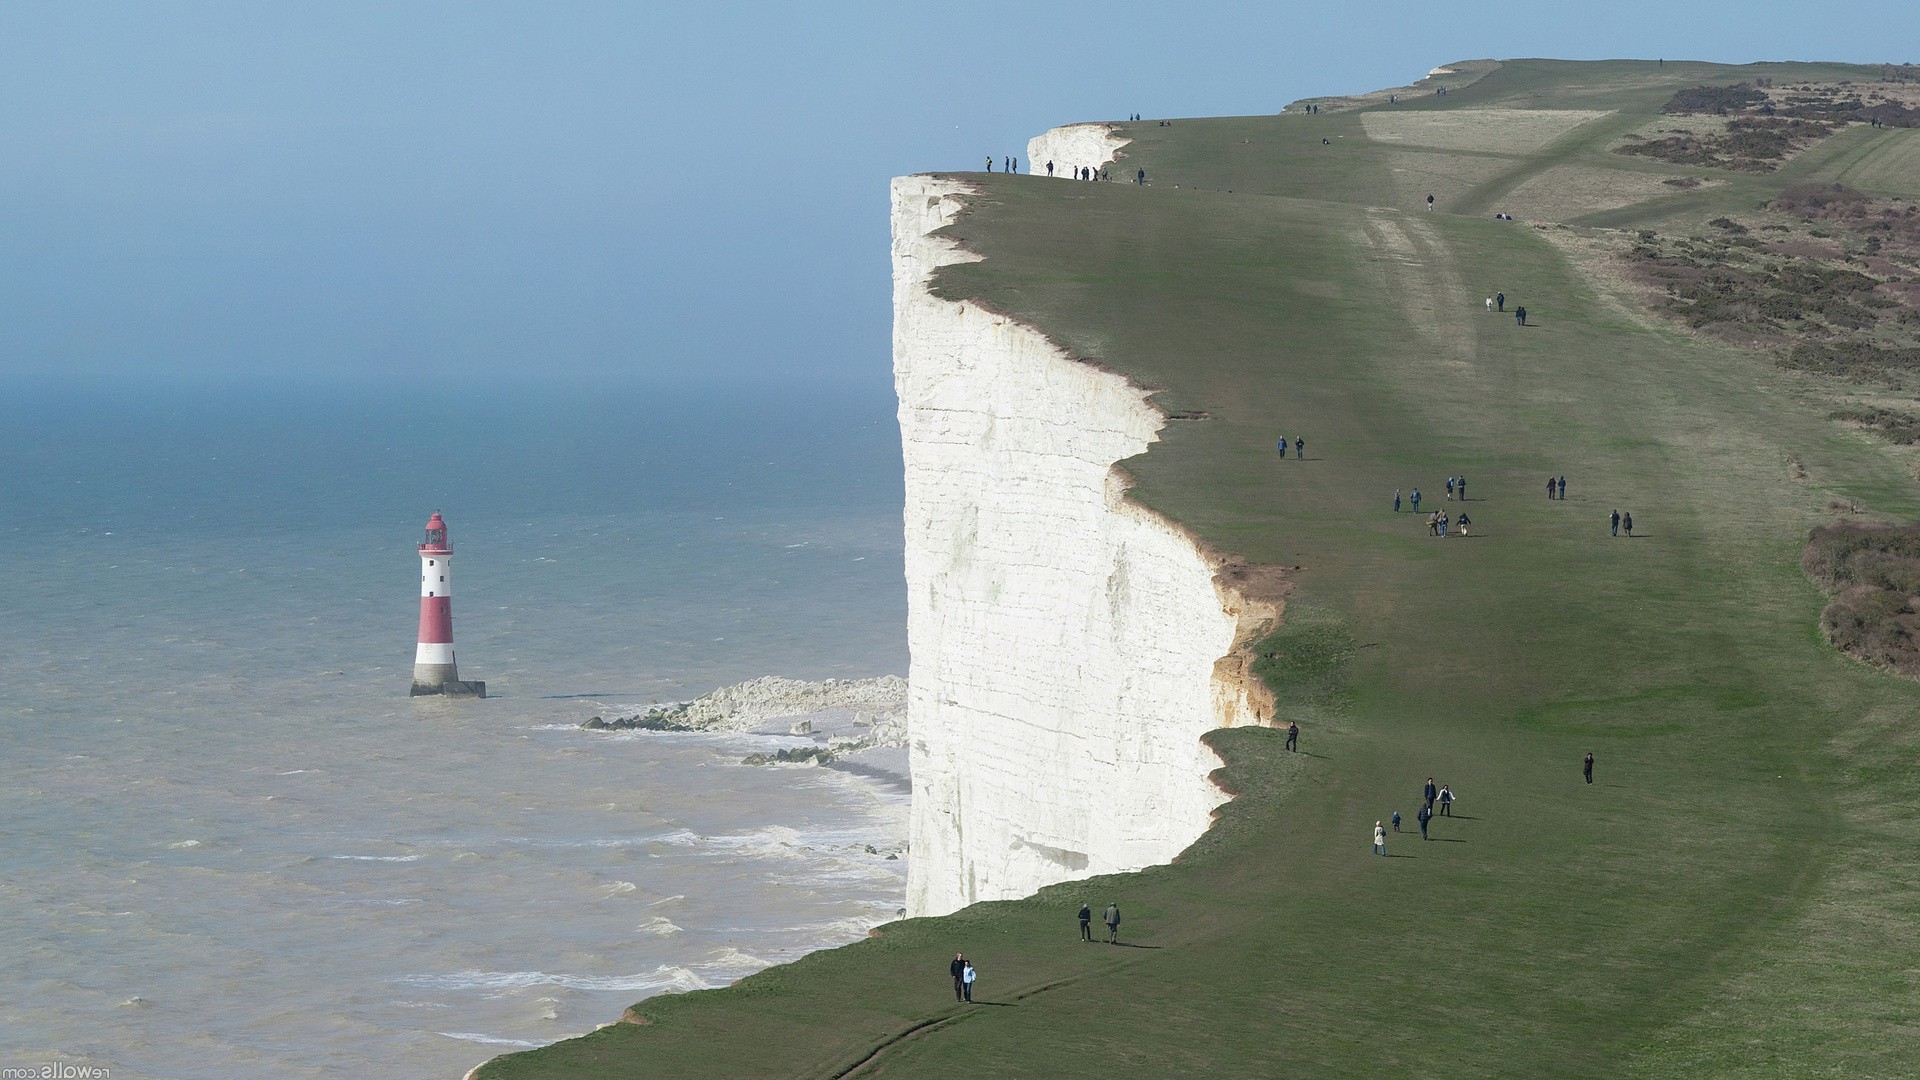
{"points": [[1379, 839], [1443, 524], [1464, 523], [1396, 821], [959, 969], [1086, 923], [1500, 299], [1113, 924], [1293, 737], [1586, 767], [1563, 488], [1462, 485], [1449, 489], [1613, 523], [1416, 500], [1446, 801], [1626, 522], [1283, 448], [1520, 316], [1431, 791], [1299, 448], [1396, 500], [966, 982], [1425, 815], [1489, 305]]}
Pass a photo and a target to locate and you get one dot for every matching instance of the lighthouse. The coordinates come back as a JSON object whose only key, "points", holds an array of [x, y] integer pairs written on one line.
{"points": [[433, 668]]}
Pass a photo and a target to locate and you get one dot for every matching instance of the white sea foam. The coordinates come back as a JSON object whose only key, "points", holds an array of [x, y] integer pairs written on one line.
{"points": [[729, 962], [666, 977], [658, 926], [490, 1040], [379, 858]]}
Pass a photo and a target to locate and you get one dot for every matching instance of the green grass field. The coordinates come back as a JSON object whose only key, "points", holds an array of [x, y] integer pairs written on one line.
{"points": [[1734, 896]]}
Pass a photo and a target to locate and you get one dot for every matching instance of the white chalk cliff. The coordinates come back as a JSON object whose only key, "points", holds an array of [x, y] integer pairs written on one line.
{"points": [[1075, 146], [1069, 648]]}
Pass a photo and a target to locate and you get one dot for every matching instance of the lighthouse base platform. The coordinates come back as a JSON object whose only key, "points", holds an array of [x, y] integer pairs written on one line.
{"points": [[450, 688], [431, 679]]}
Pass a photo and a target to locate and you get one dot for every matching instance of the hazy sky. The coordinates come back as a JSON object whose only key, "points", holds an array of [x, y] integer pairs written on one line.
{"points": [[593, 191]]}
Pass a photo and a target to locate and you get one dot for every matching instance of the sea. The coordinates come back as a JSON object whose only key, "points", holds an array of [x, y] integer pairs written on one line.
{"points": [[232, 845]]}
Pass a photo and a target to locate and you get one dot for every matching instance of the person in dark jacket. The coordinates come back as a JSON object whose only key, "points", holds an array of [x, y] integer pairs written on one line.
{"points": [[1425, 815], [959, 969], [1586, 767], [1431, 791], [1113, 924], [1293, 737], [1086, 923]]}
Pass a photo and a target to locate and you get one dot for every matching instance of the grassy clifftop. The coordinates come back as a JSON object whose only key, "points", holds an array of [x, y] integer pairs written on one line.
{"points": [[1732, 896]]}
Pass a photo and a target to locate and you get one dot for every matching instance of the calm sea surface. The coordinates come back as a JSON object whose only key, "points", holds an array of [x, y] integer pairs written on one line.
{"points": [[233, 846]]}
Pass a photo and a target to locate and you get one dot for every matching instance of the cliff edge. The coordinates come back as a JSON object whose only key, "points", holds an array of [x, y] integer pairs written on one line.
{"points": [[1068, 647]]}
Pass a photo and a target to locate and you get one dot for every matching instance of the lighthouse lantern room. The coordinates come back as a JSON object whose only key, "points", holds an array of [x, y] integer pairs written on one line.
{"points": [[433, 665]]}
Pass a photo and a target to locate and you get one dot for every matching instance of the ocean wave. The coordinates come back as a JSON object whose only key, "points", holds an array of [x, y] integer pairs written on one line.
{"points": [[619, 888], [771, 841], [470, 1036], [729, 962], [379, 858], [658, 926], [186, 845], [666, 977]]}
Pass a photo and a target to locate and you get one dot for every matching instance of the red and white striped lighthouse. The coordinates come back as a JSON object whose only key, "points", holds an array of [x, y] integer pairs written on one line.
{"points": [[433, 667]]}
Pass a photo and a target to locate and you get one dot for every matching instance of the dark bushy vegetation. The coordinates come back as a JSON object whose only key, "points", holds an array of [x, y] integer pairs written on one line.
{"points": [[1900, 428], [1718, 100], [1749, 144], [1839, 294], [1880, 221], [1875, 569], [1860, 361]]}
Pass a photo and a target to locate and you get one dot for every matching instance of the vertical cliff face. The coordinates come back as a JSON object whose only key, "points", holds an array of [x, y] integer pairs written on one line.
{"points": [[1069, 648], [1074, 146]]}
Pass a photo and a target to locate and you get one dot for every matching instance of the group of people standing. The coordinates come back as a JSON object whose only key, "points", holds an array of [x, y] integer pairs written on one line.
{"points": [[1498, 301], [1438, 524], [1299, 447], [1007, 164], [1436, 801]]}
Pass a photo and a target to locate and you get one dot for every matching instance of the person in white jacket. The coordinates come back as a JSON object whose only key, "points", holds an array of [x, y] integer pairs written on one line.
{"points": [[966, 980], [1379, 839]]}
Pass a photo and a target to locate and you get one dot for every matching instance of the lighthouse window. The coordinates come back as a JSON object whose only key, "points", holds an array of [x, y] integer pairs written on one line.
{"points": [[443, 577], [429, 592], [429, 562]]}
